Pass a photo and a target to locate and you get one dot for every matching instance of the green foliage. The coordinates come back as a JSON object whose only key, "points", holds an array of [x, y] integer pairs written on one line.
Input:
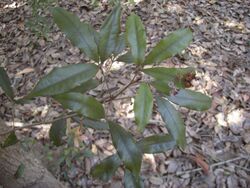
{"points": [[20, 171], [126, 148], [106, 168], [61, 80], [5, 83], [69, 86], [136, 38], [173, 121], [143, 106], [10, 140], [58, 131]]}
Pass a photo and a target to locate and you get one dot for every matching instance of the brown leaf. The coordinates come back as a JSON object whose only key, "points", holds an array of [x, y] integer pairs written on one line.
{"points": [[199, 160]]}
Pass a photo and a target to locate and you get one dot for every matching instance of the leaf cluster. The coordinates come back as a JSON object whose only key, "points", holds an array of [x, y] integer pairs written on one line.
{"points": [[69, 85]]}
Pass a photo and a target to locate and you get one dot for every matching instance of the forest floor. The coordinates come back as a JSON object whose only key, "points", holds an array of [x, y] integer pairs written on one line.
{"points": [[218, 150]]}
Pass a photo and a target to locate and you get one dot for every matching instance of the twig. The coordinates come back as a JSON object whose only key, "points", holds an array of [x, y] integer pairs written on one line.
{"points": [[120, 91], [39, 123], [211, 166]]}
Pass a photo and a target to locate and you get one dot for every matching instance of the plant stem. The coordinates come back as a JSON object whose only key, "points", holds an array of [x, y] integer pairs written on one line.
{"points": [[108, 99], [40, 123]]}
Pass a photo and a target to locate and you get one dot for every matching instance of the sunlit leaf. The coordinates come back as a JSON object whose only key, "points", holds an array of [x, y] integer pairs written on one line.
{"points": [[5, 83], [174, 43], [58, 131], [130, 181], [173, 121], [63, 79], [136, 38], [157, 143], [191, 99], [126, 148], [80, 34], [82, 104], [109, 34], [106, 168], [10, 140], [143, 106]]}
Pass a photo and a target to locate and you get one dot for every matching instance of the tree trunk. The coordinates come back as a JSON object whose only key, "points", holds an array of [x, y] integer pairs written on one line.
{"points": [[35, 175]]}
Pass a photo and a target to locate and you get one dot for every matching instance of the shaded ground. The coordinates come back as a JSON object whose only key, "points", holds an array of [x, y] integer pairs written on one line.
{"points": [[220, 52]]}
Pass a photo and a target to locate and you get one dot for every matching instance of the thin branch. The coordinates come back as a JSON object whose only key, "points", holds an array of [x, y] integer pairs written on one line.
{"points": [[39, 123], [107, 99], [211, 166]]}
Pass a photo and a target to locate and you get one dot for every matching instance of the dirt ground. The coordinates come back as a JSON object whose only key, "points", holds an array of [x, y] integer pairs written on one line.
{"points": [[218, 139]]}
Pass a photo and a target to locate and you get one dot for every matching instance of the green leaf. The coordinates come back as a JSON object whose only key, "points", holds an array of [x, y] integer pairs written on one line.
{"points": [[82, 104], [173, 121], [126, 58], [106, 168], [86, 86], [10, 140], [5, 83], [95, 124], [120, 45], [156, 143], [130, 181], [191, 99], [143, 106], [174, 43], [161, 86], [126, 148], [58, 131], [109, 34], [63, 79], [136, 38], [166, 75], [20, 171], [80, 34]]}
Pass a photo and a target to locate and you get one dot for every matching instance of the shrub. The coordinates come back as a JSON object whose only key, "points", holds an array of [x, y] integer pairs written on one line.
{"points": [[68, 85]]}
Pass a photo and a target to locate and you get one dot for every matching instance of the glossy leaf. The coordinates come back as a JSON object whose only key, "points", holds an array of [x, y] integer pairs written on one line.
{"points": [[165, 75], [20, 171], [173, 121], [157, 143], [126, 58], [106, 168], [86, 86], [143, 106], [5, 83], [191, 99], [126, 148], [58, 131], [130, 181], [63, 79], [109, 34], [10, 140], [82, 104], [174, 43], [80, 34], [136, 38]]}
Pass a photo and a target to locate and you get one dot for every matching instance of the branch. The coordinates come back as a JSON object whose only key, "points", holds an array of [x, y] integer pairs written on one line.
{"points": [[39, 123]]}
